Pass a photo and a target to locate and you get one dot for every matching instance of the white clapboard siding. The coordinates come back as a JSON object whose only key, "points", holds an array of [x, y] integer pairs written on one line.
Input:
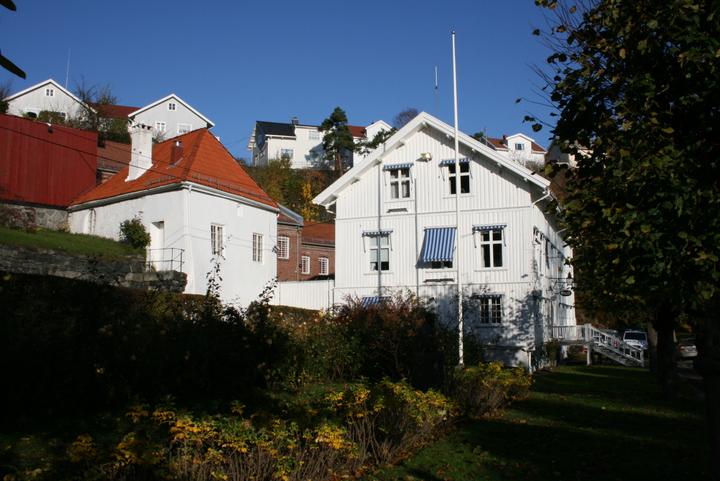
{"points": [[305, 294]]}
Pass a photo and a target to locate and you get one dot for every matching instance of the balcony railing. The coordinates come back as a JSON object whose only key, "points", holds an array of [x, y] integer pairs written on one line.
{"points": [[168, 259]]}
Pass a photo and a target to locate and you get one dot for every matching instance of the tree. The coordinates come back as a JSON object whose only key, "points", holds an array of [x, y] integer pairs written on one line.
{"points": [[93, 114], [404, 117], [5, 91], [367, 146], [636, 83], [337, 142]]}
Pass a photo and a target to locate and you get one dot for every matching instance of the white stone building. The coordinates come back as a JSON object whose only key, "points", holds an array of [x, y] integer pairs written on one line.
{"points": [[200, 207], [396, 231]]}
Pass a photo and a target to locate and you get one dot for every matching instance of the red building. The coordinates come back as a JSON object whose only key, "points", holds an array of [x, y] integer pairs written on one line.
{"points": [[304, 251], [44, 165]]}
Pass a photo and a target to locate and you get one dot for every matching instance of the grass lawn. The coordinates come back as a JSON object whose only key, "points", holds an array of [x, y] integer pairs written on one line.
{"points": [[579, 423], [64, 241]]}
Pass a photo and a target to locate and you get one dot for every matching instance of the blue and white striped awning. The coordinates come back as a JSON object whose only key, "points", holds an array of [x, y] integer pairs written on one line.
{"points": [[439, 244], [464, 160], [372, 300], [485, 228], [377, 233], [397, 166]]}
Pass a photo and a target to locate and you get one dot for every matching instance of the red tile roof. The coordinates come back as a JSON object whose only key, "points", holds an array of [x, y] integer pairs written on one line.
{"points": [[357, 131], [113, 111], [205, 161], [502, 144], [323, 233], [113, 156]]}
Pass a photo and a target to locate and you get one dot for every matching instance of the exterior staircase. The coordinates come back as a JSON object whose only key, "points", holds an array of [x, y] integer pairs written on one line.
{"points": [[601, 342]]}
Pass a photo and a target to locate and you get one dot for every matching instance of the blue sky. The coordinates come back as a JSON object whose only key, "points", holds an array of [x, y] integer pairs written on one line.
{"points": [[237, 62]]}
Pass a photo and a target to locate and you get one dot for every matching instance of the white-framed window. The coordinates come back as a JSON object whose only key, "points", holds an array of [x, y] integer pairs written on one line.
{"points": [[399, 183], [49, 92], [172, 106], [257, 247], [324, 266], [216, 239], [490, 309], [160, 127], [283, 245], [379, 252], [519, 146], [305, 265], [314, 135], [491, 248], [464, 177], [286, 153], [184, 128]]}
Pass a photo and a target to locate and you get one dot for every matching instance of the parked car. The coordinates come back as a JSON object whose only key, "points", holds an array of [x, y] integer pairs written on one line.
{"points": [[686, 348], [636, 339]]}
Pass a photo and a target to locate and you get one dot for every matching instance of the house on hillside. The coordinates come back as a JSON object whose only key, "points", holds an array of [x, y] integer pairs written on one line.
{"points": [[46, 96], [520, 148], [305, 251], [200, 207], [44, 167], [300, 143], [168, 116], [396, 230]]}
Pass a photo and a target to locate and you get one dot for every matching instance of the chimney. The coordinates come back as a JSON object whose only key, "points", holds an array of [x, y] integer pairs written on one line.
{"points": [[295, 121], [176, 153], [141, 151], [504, 139]]}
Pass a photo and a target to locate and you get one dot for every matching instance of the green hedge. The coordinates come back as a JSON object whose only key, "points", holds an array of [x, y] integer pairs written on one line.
{"points": [[73, 347]]}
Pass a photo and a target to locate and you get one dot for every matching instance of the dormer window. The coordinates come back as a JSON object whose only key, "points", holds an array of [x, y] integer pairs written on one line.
{"points": [[49, 92], [172, 106], [519, 146]]}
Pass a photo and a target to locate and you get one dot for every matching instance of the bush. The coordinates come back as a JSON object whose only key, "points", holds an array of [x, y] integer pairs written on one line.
{"points": [[133, 233], [486, 388]]}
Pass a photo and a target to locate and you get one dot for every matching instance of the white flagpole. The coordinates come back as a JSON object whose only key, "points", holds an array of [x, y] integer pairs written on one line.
{"points": [[461, 360]]}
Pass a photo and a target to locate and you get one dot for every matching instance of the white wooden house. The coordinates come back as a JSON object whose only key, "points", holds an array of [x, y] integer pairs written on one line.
{"points": [[170, 116], [396, 231], [200, 207], [46, 96], [301, 144]]}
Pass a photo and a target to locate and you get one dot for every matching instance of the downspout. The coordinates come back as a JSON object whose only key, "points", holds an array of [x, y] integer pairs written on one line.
{"points": [[417, 253], [298, 232], [379, 227], [188, 241]]}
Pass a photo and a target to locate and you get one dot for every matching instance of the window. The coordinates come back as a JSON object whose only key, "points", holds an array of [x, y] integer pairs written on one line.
{"points": [[257, 247], [160, 127], [305, 265], [184, 128], [286, 153], [400, 183], [490, 309], [438, 248], [491, 247], [380, 253], [283, 247], [464, 178], [324, 266], [172, 106], [314, 135], [216, 239], [519, 146], [49, 92]]}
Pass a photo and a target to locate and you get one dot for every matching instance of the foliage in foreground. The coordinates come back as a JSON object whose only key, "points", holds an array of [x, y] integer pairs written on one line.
{"points": [[486, 389], [352, 429]]}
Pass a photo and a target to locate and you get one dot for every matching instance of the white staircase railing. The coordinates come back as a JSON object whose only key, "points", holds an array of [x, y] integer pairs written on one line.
{"points": [[607, 344]]}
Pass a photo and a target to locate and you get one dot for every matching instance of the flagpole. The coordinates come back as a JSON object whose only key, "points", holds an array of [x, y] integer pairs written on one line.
{"points": [[461, 360]]}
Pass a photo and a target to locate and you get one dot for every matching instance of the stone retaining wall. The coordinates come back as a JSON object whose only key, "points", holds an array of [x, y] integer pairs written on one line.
{"points": [[24, 216], [128, 271]]}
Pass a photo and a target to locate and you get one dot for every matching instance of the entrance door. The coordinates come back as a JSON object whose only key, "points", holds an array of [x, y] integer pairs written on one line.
{"points": [[156, 251]]}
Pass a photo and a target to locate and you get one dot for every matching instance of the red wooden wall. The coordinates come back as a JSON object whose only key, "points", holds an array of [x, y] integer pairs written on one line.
{"points": [[43, 165]]}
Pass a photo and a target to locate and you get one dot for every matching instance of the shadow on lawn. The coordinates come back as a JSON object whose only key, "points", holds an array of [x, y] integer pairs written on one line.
{"points": [[570, 436]]}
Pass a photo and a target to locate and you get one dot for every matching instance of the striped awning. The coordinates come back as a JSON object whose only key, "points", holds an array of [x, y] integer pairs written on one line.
{"points": [[377, 233], [439, 244], [464, 160], [485, 228], [397, 166], [372, 300]]}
